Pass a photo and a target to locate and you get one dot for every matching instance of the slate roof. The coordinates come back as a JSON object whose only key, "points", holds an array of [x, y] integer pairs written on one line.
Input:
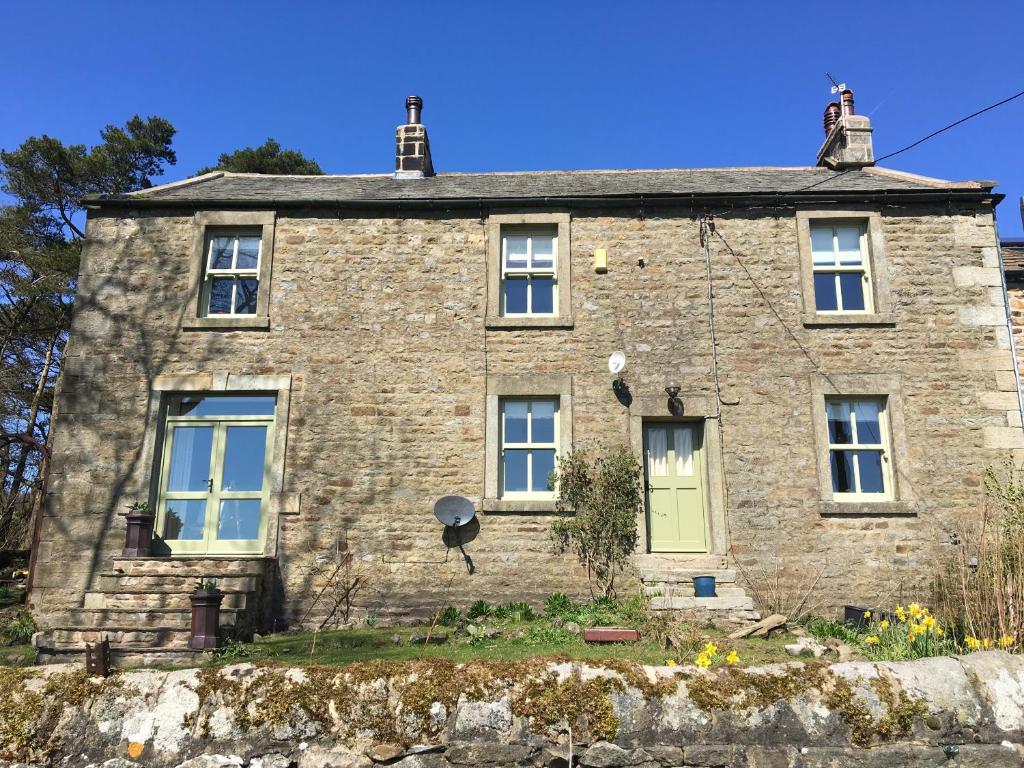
{"points": [[240, 188], [1013, 254]]}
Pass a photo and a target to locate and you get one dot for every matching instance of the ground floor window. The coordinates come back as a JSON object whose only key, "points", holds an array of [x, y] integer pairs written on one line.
{"points": [[214, 488], [529, 445], [857, 447]]}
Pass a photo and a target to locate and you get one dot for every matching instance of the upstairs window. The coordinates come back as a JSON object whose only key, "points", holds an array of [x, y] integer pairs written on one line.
{"points": [[842, 280], [529, 276], [857, 448], [231, 279], [529, 445]]}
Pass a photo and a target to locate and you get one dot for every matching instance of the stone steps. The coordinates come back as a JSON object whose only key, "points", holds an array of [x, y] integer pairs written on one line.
{"points": [[142, 608], [668, 581]]}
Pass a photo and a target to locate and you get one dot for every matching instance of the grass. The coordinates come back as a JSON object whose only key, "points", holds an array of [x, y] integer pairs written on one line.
{"points": [[539, 639]]}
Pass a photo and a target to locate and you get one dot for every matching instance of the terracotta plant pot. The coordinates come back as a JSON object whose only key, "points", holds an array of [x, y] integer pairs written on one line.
{"points": [[204, 634], [138, 536], [610, 635]]}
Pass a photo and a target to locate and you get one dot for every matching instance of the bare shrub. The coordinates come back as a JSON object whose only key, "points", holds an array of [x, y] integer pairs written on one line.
{"points": [[980, 590], [783, 586], [338, 579]]}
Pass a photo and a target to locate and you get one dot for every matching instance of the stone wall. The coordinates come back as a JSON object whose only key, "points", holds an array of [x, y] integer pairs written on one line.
{"points": [[379, 322], [964, 711]]}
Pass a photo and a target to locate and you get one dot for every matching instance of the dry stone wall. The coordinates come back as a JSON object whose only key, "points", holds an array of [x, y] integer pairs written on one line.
{"points": [[964, 711], [379, 320]]}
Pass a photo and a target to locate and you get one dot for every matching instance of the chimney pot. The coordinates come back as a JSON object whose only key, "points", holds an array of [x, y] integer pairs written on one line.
{"points": [[412, 147], [847, 99], [832, 113], [413, 107]]}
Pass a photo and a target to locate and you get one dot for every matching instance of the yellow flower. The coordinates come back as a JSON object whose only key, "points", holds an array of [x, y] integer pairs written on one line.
{"points": [[939, 632], [918, 629], [986, 643], [710, 649], [884, 624], [915, 611], [732, 658], [671, 663], [910, 636], [928, 622], [1006, 641], [972, 642], [871, 639], [703, 660], [901, 614], [867, 614]]}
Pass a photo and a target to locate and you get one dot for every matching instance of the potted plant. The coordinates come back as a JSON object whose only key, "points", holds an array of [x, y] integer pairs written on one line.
{"points": [[206, 600], [139, 532]]}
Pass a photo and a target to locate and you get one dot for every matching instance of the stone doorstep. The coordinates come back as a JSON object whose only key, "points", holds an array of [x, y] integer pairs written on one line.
{"points": [[157, 582], [704, 603], [673, 562], [686, 590], [686, 575], [141, 600], [194, 567], [132, 618]]}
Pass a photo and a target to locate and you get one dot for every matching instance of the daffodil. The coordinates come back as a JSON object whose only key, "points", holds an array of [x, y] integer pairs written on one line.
{"points": [[928, 622], [972, 642], [710, 649], [671, 663], [871, 640], [1006, 641], [901, 614], [986, 643], [918, 629], [732, 658], [883, 624], [915, 611], [703, 660], [867, 614], [939, 632]]}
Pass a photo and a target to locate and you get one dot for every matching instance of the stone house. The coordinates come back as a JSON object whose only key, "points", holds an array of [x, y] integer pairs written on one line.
{"points": [[291, 371]]}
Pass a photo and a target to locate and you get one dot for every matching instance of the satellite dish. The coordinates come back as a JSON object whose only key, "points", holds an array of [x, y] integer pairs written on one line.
{"points": [[453, 511], [616, 362]]}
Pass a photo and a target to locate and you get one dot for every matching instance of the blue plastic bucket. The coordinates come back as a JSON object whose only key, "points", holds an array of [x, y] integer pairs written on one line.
{"points": [[704, 586]]}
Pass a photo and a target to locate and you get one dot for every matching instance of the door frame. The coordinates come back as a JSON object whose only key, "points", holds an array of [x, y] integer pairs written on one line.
{"points": [[696, 408], [146, 479]]}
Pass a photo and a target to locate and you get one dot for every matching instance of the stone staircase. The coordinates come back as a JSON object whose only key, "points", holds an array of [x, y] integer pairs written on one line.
{"points": [[142, 607], [668, 581]]}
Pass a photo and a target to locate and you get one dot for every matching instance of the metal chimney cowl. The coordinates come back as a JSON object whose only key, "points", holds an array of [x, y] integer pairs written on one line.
{"points": [[412, 145]]}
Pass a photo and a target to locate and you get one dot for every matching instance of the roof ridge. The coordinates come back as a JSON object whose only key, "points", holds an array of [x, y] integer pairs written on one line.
{"points": [[180, 183], [930, 181]]}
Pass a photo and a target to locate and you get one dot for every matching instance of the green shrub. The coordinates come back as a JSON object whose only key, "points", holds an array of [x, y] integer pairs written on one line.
{"points": [[21, 629], [560, 605], [450, 616], [515, 612], [601, 499], [481, 609]]}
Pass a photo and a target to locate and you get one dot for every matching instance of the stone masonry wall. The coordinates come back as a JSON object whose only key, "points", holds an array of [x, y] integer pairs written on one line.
{"points": [[956, 712], [379, 320]]}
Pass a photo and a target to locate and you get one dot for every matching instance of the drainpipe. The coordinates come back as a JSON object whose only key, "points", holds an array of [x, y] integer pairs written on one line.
{"points": [[1009, 319]]}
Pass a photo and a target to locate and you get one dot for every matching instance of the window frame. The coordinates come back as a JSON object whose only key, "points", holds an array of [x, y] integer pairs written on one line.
{"points": [[880, 448], [877, 300], [529, 272], [901, 498], [835, 268], [213, 497], [557, 387], [561, 317], [207, 225], [530, 445], [210, 273]]}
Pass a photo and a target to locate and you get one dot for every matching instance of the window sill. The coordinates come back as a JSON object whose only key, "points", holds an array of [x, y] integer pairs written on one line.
{"points": [[862, 508], [226, 323], [518, 505], [513, 323], [825, 320]]}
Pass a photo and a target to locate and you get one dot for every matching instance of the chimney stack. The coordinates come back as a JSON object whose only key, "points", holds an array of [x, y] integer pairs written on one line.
{"points": [[412, 147], [847, 137]]}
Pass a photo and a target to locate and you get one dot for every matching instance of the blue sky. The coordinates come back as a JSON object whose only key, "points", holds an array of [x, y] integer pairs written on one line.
{"points": [[528, 85]]}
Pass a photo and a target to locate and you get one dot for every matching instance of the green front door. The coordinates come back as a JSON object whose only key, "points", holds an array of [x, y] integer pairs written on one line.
{"points": [[673, 469]]}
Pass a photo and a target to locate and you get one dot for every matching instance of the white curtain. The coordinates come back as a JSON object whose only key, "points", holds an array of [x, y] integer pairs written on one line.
{"points": [[682, 443], [657, 449]]}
